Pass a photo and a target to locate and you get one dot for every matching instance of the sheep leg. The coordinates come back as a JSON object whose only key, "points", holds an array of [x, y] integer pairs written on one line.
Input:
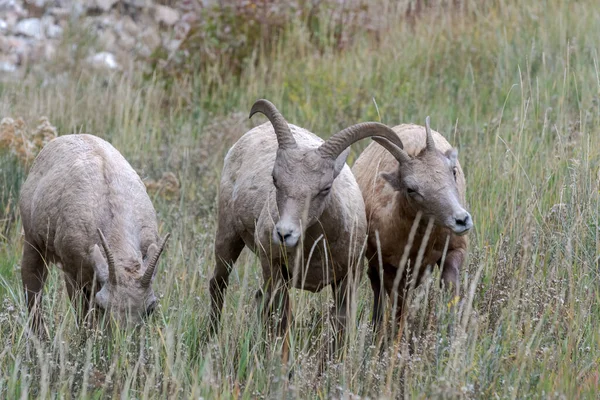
{"points": [[81, 297], [227, 250], [396, 293], [450, 270], [33, 274], [373, 273], [344, 296], [275, 300]]}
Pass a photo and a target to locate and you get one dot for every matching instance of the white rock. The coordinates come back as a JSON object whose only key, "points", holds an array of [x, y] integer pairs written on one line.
{"points": [[104, 60], [30, 27], [6, 66], [54, 31], [3, 26], [166, 15], [9, 62]]}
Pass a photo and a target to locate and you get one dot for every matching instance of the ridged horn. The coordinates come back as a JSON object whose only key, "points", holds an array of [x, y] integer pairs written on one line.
{"points": [[397, 151], [285, 139], [340, 141], [112, 274], [429, 143], [146, 279]]}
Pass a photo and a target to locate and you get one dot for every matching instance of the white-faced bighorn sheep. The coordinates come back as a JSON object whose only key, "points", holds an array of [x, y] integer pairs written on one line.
{"points": [[421, 180], [291, 198], [84, 206]]}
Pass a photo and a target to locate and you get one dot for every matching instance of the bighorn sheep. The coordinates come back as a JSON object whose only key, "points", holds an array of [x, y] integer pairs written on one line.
{"points": [[283, 190], [417, 185], [82, 196]]}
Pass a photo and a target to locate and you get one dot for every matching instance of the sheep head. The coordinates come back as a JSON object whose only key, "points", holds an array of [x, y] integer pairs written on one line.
{"points": [[429, 183], [127, 297], [303, 177]]}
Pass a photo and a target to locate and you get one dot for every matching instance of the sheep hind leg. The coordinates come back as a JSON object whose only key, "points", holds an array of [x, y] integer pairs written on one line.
{"points": [[227, 251], [34, 272]]}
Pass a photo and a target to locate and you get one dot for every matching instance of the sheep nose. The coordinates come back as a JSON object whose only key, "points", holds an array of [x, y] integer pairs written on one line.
{"points": [[284, 234], [464, 220]]}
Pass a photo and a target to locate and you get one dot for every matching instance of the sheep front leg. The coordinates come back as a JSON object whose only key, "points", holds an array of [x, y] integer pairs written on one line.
{"points": [[343, 293], [274, 300], [378, 294], [81, 298], [33, 274], [228, 247], [450, 270]]}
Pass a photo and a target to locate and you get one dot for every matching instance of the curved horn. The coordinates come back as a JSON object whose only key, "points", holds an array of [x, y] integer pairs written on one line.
{"points": [[112, 275], [282, 129], [429, 143], [398, 152], [340, 141], [149, 273]]}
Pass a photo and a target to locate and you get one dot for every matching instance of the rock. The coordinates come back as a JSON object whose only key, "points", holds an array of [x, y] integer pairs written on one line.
{"points": [[60, 13], [35, 8], [129, 26], [103, 60], [150, 38], [7, 66], [30, 27], [54, 31], [14, 45], [51, 30], [9, 62], [166, 15], [108, 39], [103, 5], [3, 26], [126, 41], [11, 18]]}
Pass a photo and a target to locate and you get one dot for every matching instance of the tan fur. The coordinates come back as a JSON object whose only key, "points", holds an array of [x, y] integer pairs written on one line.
{"points": [[390, 214], [77, 184], [248, 212]]}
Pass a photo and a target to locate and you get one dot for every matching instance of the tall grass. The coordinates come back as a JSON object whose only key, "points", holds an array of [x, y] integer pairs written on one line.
{"points": [[514, 86]]}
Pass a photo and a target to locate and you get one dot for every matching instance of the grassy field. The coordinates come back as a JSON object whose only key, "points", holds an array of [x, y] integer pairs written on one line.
{"points": [[514, 85]]}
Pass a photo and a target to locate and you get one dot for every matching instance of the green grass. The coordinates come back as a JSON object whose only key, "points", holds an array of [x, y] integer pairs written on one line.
{"points": [[514, 85]]}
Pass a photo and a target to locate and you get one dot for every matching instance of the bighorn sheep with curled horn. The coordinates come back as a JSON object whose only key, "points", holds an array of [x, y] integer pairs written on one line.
{"points": [[84, 206], [420, 186], [283, 190]]}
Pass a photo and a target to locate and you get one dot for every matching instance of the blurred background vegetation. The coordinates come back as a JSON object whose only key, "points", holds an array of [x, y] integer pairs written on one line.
{"points": [[514, 85]]}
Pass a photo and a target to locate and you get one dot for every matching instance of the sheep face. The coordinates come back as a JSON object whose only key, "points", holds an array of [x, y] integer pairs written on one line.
{"points": [[128, 298], [428, 183], [303, 180]]}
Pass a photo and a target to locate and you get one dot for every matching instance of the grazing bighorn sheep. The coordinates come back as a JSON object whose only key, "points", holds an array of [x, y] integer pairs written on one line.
{"points": [[283, 190], [412, 184], [82, 196]]}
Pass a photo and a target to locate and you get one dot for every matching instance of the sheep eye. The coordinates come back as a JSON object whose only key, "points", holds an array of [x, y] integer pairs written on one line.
{"points": [[325, 191], [411, 191], [454, 172]]}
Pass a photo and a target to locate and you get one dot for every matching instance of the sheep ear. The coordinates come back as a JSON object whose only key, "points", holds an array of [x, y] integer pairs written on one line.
{"points": [[392, 179], [340, 161], [452, 155], [100, 265]]}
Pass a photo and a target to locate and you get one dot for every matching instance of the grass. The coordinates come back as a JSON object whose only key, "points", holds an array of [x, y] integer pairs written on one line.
{"points": [[515, 86]]}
